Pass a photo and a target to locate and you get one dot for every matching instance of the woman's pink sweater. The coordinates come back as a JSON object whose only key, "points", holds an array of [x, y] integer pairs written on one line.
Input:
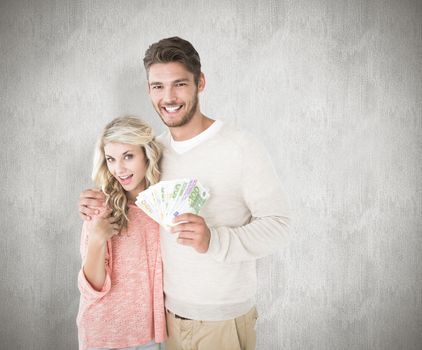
{"points": [[129, 309]]}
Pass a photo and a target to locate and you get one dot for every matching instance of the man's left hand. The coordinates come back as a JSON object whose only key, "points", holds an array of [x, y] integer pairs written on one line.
{"points": [[193, 231]]}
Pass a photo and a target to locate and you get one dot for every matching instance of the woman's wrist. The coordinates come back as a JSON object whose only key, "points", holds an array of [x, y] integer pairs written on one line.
{"points": [[96, 241]]}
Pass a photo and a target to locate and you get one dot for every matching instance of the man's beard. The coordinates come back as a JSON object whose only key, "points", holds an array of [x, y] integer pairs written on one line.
{"points": [[186, 118]]}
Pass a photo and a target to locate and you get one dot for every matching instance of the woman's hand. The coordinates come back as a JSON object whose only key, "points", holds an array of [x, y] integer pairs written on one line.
{"points": [[102, 227]]}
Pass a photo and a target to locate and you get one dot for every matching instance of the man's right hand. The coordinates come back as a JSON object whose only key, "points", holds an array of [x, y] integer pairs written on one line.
{"points": [[91, 203]]}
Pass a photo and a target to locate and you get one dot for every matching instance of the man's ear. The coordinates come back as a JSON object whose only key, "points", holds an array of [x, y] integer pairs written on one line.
{"points": [[201, 82], [148, 87]]}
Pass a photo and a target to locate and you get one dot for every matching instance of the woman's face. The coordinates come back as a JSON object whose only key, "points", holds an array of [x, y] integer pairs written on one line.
{"points": [[127, 163]]}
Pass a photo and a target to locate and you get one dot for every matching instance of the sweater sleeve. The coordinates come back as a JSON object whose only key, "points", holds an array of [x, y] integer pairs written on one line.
{"points": [[266, 233], [88, 293]]}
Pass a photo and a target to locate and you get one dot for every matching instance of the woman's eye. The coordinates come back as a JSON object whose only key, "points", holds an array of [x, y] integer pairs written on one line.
{"points": [[109, 160], [128, 156]]}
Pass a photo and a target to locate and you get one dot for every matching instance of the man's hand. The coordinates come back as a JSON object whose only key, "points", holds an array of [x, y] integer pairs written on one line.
{"points": [[193, 231], [91, 203]]}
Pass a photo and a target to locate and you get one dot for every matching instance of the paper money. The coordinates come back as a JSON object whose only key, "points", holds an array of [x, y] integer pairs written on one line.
{"points": [[168, 199]]}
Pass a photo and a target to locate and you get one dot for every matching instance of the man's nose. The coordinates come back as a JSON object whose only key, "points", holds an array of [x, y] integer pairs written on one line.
{"points": [[169, 95]]}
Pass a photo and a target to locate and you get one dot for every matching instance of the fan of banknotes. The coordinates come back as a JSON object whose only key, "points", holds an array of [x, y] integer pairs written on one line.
{"points": [[168, 199]]}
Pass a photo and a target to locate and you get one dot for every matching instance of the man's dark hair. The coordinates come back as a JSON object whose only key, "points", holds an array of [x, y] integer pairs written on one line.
{"points": [[174, 49]]}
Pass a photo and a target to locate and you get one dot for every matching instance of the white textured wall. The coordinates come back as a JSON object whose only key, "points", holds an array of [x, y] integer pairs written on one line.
{"points": [[333, 88]]}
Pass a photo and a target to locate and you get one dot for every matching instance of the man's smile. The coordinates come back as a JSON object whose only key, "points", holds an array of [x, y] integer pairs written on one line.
{"points": [[172, 108]]}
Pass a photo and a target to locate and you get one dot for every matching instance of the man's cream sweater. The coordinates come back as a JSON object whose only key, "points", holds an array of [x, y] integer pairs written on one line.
{"points": [[248, 217]]}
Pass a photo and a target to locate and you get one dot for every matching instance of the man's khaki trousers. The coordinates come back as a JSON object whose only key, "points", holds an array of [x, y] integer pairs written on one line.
{"points": [[235, 334]]}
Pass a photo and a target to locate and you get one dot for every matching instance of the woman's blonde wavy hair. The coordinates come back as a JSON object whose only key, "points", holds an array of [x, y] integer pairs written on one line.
{"points": [[133, 131]]}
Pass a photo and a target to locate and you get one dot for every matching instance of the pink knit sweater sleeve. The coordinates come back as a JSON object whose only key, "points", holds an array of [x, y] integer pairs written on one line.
{"points": [[88, 293], [158, 302]]}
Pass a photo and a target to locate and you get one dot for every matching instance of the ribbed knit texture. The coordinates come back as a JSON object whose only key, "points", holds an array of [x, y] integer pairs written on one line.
{"points": [[129, 310]]}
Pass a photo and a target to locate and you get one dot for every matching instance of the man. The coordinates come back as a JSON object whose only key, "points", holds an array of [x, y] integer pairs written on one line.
{"points": [[209, 260]]}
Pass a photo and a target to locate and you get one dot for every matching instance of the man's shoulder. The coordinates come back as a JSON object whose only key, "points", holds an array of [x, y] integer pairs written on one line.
{"points": [[239, 136], [164, 137]]}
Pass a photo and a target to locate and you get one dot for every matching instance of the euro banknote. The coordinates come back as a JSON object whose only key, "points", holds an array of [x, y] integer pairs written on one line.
{"points": [[168, 199]]}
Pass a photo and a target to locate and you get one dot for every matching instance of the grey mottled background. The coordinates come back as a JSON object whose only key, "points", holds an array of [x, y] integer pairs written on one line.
{"points": [[333, 88]]}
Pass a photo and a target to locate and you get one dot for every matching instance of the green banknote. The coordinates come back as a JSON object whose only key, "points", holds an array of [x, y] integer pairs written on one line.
{"points": [[168, 199]]}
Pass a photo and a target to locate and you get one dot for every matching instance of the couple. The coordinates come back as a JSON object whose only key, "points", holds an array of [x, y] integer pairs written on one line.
{"points": [[208, 262]]}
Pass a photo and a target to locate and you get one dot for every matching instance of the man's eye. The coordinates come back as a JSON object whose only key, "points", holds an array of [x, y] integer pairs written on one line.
{"points": [[180, 84], [156, 87]]}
